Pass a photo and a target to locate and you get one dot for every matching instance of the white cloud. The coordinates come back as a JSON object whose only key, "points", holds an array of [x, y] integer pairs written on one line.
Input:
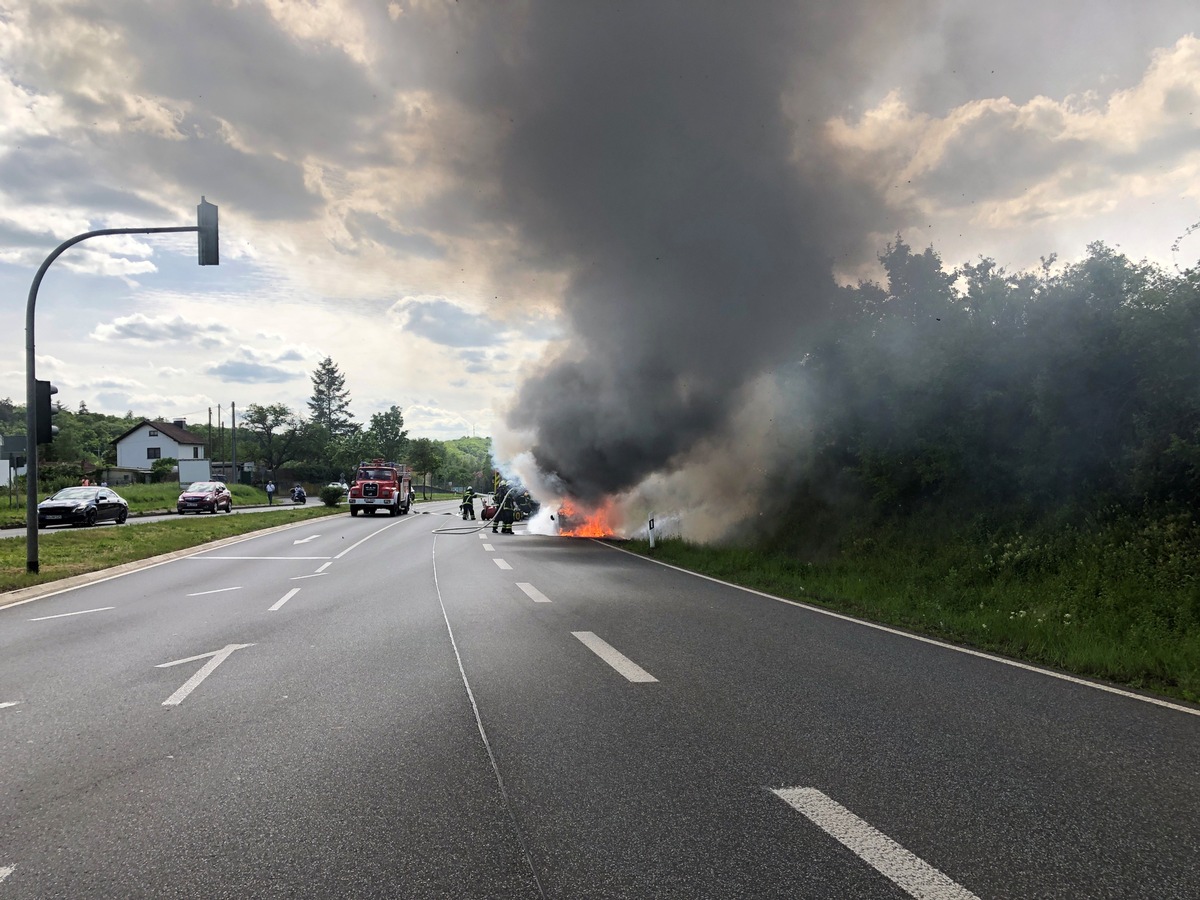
{"points": [[140, 328], [1001, 165]]}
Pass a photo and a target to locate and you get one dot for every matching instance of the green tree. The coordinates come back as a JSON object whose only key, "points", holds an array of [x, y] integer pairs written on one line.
{"points": [[330, 401], [160, 470], [468, 459], [387, 434], [427, 457], [11, 415], [276, 431]]}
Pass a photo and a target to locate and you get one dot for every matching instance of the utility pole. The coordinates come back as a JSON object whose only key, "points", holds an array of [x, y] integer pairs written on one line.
{"points": [[233, 431], [220, 433]]}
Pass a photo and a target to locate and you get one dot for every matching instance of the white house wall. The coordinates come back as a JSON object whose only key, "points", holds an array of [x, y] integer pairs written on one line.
{"points": [[132, 449]]}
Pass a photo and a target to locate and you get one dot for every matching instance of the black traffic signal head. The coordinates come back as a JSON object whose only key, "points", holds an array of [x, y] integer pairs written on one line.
{"points": [[206, 225], [45, 430]]}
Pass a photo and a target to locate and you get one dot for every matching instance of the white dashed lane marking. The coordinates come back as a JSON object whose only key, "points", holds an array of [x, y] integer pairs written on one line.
{"points": [[284, 599], [623, 664], [879, 851], [76, 613], [502, 564], [533, 593]]}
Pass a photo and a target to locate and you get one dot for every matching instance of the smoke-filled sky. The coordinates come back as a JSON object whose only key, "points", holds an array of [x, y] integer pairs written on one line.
{"points": [[599, 222]]}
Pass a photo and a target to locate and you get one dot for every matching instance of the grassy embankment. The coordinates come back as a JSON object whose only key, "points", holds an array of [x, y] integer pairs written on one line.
{"points": [[142, 498], [73, 551], [1116, 599]]}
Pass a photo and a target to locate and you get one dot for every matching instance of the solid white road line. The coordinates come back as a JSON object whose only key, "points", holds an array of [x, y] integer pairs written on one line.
{"points": [[9, 703], [218, 657], [286, 597], [1061, 676], [78, 613], [5, 871], [217, 591], [489, 548], [502, 564], [910, 872], [613, 657], [323, 566], [288, 558], [533, 593], [367, 538]]}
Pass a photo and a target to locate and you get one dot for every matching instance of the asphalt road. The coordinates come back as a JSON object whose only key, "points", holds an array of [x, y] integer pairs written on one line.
{"points": [[364, 708]]}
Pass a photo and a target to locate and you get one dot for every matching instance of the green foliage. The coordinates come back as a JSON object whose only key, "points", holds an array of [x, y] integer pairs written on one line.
{"points": [[973, 386], [330, 401], [426, 455], [331, 496], [12, 417], [160, 470], [468, 461], [387, 436], [275, 433]]}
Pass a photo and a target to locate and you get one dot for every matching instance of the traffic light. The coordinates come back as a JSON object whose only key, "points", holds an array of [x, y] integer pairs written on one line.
{"points": [[206, 226], [45, 430]]}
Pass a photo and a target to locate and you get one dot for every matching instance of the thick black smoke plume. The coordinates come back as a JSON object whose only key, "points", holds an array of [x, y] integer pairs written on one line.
{"points": [[668, 156]]}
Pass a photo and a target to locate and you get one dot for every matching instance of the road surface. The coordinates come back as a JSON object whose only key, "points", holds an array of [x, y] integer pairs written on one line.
{"points": [[366, 708]]}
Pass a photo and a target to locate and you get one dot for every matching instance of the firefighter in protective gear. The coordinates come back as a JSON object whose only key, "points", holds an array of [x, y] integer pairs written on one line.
{"points": [[505, 513], [468, 504]]}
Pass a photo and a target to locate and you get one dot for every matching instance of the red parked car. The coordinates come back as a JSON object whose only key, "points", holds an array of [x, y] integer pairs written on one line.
{"points": [[209, 496]]}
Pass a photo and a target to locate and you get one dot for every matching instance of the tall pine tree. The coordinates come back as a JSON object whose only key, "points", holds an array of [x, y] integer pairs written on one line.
{"points": [[330, 401]]}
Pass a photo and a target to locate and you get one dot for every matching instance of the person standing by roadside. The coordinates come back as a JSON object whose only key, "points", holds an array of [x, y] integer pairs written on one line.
{"points": [[270, 493]]}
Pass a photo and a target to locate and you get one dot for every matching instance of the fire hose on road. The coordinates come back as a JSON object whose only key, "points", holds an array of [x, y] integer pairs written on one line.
{"points": [[472, 529]]}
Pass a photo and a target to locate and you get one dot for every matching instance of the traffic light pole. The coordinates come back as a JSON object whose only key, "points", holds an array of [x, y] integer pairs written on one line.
{"points": [[31, 456]]}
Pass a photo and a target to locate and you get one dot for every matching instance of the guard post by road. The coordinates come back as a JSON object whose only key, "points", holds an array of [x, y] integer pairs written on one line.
{"points": [[206, 227]]}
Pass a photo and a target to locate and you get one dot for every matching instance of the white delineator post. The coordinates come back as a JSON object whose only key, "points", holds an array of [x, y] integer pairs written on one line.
{"points": [[650, 529]]}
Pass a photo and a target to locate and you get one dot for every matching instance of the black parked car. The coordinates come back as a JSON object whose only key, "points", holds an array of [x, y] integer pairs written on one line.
{"points": [[82, 506], [205, 495]]}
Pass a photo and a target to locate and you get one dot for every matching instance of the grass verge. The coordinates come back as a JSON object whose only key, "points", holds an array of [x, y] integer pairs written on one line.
{"points": [[142, 498], [77, 551], [1117, 600]]}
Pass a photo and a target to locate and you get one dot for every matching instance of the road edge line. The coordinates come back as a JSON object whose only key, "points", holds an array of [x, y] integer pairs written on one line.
{"points": [[969, 651]]}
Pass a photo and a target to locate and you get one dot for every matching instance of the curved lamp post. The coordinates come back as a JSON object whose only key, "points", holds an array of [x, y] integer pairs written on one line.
{"points": [[206, 227]]}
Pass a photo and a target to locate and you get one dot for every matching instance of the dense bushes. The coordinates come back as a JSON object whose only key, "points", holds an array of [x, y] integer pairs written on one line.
{"points": [[1075, 388]]}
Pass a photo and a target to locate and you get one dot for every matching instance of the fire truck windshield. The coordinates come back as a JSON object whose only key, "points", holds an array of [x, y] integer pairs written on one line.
{"points": [[375, 475]]}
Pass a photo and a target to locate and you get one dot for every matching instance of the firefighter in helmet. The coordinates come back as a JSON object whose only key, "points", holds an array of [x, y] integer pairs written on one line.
{"points": [[468, 503], [505, 511]]}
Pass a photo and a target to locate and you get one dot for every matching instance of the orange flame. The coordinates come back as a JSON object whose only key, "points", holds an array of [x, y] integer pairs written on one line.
{"points": [[593, 525]]}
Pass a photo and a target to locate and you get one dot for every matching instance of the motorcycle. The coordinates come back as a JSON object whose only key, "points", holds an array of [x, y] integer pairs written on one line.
{"points": [[298, 495]]}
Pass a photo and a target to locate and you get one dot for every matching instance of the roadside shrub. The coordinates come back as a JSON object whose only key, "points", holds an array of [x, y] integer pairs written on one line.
{"points": [[331, 496]]}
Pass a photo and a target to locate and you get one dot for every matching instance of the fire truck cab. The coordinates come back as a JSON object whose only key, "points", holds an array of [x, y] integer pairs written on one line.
{"points": [[381, 485]]}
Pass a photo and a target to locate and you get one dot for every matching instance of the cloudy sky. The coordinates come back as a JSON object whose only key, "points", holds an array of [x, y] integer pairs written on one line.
{"points": [[542, 212]]}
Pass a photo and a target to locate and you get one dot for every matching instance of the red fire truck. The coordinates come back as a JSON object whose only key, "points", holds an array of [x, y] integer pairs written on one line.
{"points": [[381, 485]]}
